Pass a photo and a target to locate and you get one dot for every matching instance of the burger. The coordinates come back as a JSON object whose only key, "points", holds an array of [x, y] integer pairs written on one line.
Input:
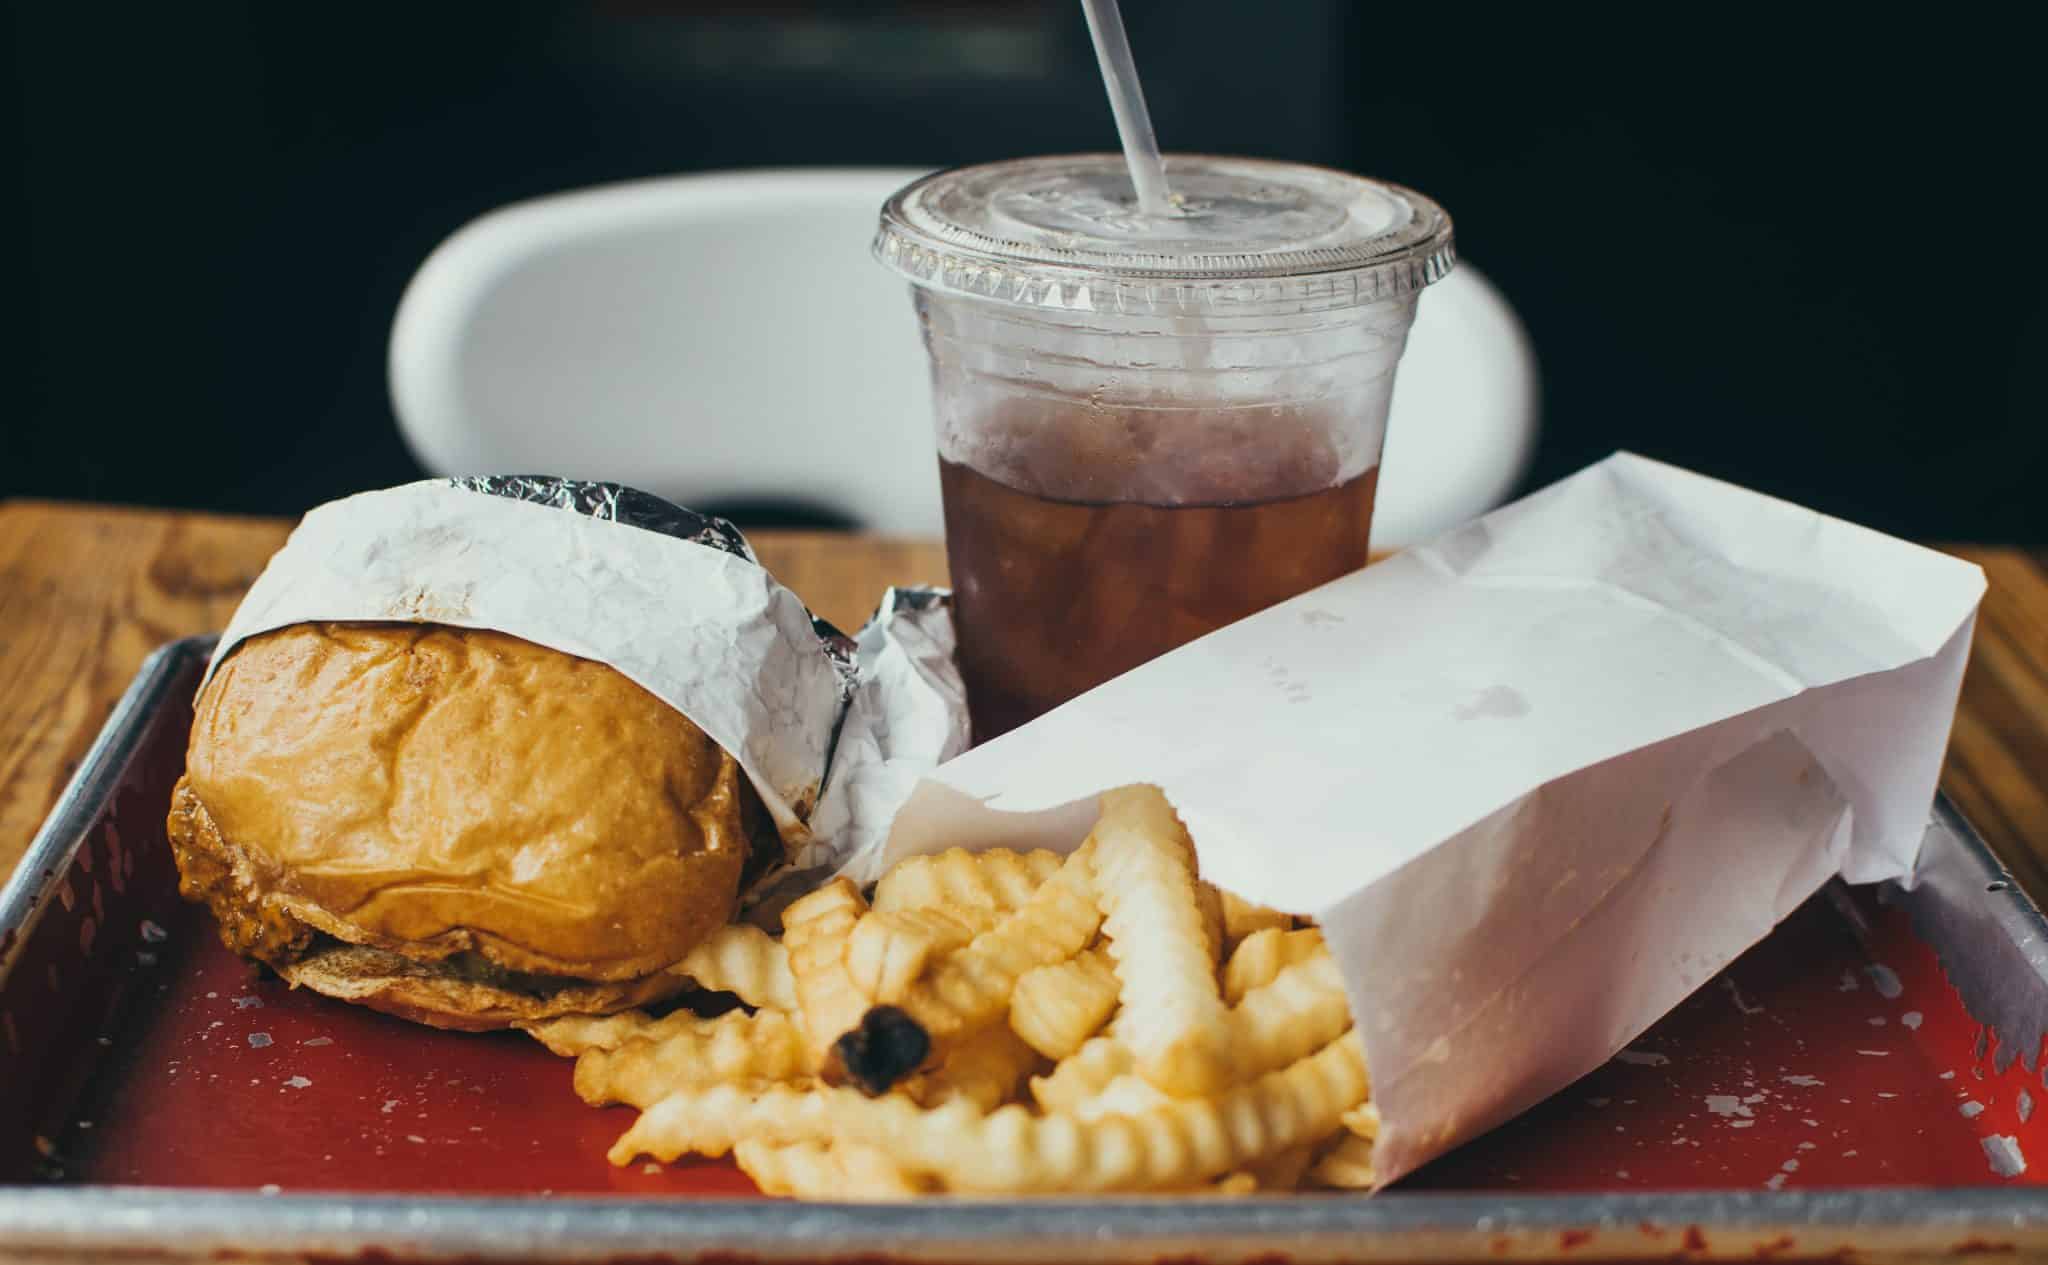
{"points": [[458, 827]]}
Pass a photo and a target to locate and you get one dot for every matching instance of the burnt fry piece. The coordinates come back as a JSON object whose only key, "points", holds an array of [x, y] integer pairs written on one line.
{"points": [[887, 1046]]}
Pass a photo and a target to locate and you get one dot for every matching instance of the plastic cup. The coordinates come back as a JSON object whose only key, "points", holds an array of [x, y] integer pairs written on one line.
{"points": [[1149, 428]]}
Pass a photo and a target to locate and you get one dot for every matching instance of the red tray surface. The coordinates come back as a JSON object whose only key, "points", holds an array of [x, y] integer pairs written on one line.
{"points": [[1832, 1054]]}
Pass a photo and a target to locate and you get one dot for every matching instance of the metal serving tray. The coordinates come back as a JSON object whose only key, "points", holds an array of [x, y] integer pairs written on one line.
{"points": [[1862, 1084]]}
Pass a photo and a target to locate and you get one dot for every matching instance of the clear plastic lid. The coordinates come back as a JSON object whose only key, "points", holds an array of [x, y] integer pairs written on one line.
{"points": [[1248, 237]]}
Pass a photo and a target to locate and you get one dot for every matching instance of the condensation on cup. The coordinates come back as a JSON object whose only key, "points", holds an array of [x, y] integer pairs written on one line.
{"points": [[1150, 427]]}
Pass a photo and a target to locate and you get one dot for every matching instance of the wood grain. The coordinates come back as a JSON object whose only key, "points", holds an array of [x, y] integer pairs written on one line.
{"points": [[86, 592], [85, 595], [1997, 769]]}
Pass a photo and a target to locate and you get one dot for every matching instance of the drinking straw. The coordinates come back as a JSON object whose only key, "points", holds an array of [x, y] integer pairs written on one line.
{"points": [[1127, 103]]}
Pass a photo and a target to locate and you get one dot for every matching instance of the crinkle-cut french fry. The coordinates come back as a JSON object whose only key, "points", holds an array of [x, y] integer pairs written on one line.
{"points": [[984, 1069], [822, 1170], [814, 929], [1241, 918], [742, 959], [1364, 1120], [1345, 1166], [970, 988], [889, 949], [1173, 1015], [767, 1045], [1082, 1075], [1236, 1184], [571, 1035], [1210, 902], [1175, 1146], [869, 1170], [997, 879], [1264, 954], [1127, 1095], [710, 1119], [1056, 1008], [1283, 1170], [1303, 1009]]}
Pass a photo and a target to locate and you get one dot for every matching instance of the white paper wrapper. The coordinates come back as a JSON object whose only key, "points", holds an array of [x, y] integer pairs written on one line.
{"points": [[710, 633], [1539, 779]]}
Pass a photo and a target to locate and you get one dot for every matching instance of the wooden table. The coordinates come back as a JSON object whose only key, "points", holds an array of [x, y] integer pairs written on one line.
{"points": [[87, 591]]}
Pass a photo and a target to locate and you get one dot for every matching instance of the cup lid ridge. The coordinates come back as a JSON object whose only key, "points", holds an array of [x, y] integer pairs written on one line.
{"points": [[1248, 237]]}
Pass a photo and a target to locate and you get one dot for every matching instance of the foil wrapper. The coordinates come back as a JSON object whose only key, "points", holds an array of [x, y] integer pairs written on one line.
{"points": [[615, 503], [831, 730]]}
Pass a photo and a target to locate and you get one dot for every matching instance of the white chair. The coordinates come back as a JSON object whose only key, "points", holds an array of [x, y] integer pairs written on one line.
{"points": [[726, 337]]}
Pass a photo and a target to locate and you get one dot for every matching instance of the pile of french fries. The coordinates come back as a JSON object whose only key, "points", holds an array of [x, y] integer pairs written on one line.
{"points": [[1004, 1022]]}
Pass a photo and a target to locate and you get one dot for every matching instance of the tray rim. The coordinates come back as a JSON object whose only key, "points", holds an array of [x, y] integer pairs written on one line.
{"points": [[41, 1221], [50, 852], [1299, 1228]]}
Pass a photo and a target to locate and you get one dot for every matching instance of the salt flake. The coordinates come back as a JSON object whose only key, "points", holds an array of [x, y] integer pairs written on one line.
{"points": [[2003, 1150], [1727, 1105]]}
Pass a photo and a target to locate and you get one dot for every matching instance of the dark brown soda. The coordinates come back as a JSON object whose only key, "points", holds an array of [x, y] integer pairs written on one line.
{"points": [[1054, 597]]}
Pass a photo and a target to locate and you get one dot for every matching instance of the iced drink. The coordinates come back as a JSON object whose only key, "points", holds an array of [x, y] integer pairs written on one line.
{"points": [[1149, 430]]}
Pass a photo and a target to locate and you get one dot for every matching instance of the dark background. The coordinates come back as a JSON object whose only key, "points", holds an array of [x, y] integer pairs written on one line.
{"points": [[1794, 246]]}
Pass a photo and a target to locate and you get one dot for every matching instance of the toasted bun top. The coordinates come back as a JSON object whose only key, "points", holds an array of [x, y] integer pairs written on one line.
{"points": [[434, 790]]}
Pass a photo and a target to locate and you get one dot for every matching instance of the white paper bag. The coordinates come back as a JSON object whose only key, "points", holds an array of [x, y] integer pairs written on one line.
{"points": [[1539, 779]]}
